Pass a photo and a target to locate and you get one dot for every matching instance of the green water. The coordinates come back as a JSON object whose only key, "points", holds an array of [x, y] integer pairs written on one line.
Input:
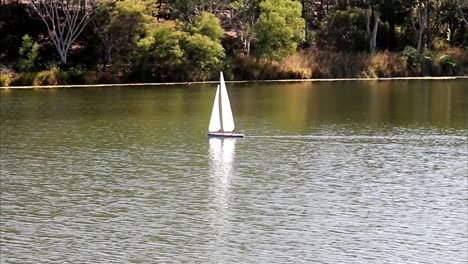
{"points": [[329, 172]]}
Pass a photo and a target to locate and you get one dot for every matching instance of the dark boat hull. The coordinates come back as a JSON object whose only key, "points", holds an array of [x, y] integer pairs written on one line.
{"points": [[224, 135]]}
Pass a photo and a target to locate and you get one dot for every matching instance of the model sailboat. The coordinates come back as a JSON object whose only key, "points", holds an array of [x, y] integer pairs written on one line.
{"points": [[222, 121]]}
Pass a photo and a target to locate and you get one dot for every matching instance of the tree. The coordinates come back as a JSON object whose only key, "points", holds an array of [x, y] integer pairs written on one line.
{"points": [[243, 16], [119, 25], [162, 53], [419, 21], [344, 30], [187, 9], [373, 10], [65, 20], [208, 25], [279, 29], [463, 10], [27, 54], [203, 47], [184, 52]]}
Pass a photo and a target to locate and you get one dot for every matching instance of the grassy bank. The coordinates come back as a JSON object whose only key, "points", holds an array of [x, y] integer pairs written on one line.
{"points": [[305, 64], [214, 82], [328, 64]]}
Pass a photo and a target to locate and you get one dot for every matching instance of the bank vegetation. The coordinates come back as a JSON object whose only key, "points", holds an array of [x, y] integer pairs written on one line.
{"points": [[49, 42]]}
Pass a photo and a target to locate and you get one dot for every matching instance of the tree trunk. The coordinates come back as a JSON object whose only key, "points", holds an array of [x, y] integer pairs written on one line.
{"points": [[305, 16], [422, 19], [373, 40], [428, 26], [462, 14], [392, 38], [375, 28], [64, 22]]}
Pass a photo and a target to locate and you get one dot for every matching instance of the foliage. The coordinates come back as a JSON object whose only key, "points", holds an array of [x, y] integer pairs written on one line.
{"points": [[208, 25], [74, 75], [5, 80], [252, 69], [119, 25], [170, 53], [411, 56], [280, 28], [448, 63], [204, 56], [51, 76], [385, 64], [64, 20], [24, 79], [28, 54], [185, 40], [344, 31], [162, 51], [331, 64]]}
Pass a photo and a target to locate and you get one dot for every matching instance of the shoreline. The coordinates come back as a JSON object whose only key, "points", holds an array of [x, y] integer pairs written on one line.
{"points": [[247, 81]]}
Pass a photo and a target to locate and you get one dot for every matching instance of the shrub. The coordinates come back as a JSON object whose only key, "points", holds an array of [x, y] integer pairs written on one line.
{"points": [[5, 80], [169, 53], [411, 56], [74, 75], [27, 55], [327, 64], [52, 76], [24, 79], [251, 69], [440, 44], [344, 31], [279, 30], [204, 57], [385, 64], [447, 63], [461, 57]]}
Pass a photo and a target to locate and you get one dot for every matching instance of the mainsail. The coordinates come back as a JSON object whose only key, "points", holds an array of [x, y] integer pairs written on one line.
{"points": [[221, 115]]}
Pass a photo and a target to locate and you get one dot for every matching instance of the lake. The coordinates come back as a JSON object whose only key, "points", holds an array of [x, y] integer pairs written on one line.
{"points": [[329, 172]]}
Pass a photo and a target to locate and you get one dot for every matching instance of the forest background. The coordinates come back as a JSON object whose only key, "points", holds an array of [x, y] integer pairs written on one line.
{"points": [[48, 42]]}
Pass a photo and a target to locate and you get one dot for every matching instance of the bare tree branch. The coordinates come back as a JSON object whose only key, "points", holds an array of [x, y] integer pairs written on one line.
{"points": [[64, 19]]}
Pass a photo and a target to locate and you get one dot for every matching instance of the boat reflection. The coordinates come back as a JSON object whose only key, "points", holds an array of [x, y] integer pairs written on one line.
{"points": [[221, 154], [221, 159]]}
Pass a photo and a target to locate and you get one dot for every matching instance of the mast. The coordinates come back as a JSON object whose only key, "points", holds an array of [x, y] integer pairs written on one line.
{"points": [[220, 108]]}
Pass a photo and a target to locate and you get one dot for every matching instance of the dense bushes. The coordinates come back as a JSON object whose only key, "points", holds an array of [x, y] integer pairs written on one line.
{"points": [[344, 30], [27, 55], [5, 80], [181, 52]]}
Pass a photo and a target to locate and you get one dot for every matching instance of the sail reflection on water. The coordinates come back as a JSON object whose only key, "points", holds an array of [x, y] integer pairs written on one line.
{"points": [[221, 159], [221, 153]]}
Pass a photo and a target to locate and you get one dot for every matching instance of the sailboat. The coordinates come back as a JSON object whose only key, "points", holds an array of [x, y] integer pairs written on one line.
{"points": [[222, 121]]}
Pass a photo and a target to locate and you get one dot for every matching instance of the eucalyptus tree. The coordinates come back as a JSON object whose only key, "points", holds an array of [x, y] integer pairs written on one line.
{"points": [[183, 51], [419, 22], [373, 11], [119, 25], [186, 10], [242, 17], [463, 10], [65, 20], [280, 28]]}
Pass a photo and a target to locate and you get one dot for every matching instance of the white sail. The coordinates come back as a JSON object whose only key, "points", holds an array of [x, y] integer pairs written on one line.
{"points": [[215, 120], [226, 113]]}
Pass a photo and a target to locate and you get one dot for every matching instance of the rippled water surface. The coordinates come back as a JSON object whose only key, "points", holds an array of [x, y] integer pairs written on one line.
{"points": [[342, 172]]}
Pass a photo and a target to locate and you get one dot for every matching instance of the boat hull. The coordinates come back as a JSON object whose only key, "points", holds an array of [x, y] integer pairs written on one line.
{"points": [[224, 135]]}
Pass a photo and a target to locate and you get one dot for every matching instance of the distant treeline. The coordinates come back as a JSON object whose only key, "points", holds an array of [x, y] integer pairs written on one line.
{"points": [[116, 41]]}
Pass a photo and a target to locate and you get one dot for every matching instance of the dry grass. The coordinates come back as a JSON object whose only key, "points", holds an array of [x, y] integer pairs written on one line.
{"points": [[385, 64]]}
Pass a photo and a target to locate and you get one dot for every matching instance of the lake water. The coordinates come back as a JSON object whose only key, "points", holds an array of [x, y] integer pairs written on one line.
{"points": [[330, 172]]}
